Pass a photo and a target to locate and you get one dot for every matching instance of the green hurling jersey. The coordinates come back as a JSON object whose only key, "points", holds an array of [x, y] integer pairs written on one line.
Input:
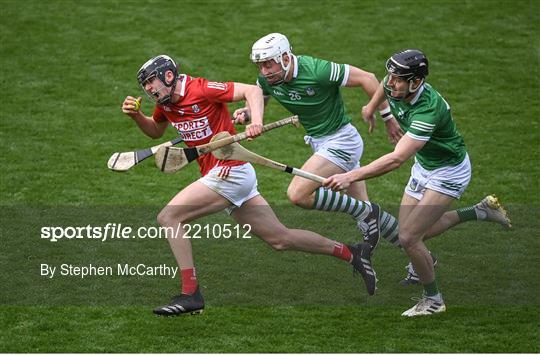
{"points": [[313, 94], [428, 118]]}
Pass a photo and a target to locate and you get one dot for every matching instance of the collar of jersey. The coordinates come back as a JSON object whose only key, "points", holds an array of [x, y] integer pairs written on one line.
{"points": [[417, 96], [182, 79], [295, 63]]}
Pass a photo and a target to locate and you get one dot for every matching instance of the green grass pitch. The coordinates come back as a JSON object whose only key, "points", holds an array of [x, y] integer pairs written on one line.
{"points": [[66, 68]]}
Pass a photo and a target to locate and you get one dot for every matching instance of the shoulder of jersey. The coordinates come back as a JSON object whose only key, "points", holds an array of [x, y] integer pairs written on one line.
{"points": [[194, 82], [304, 60], [261, 79], [307, 63], [428, 100], [429, 93]]}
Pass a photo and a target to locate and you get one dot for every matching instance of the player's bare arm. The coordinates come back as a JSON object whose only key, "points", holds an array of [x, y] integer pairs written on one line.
{"points": [[405, 149], [376, 100], [369, 83], [362, 78], [149, 127], [255, 101], [243, 115], [393, 130]]}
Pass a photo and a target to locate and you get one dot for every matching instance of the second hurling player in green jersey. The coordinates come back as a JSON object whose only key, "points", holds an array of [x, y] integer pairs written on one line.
{"points": [[427, 117], [313, 94], [439, 176]]}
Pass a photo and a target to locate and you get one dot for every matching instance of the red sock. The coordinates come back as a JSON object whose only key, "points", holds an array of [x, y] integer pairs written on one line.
{"points": [[189, 281], [342, 251]]}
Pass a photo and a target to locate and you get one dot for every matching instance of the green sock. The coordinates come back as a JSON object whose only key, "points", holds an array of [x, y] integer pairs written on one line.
{"points": [[389, 228], [431, 289], [467, 214], [328, 200]]}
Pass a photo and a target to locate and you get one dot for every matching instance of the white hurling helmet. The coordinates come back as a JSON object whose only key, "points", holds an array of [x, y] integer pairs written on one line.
{"points": [[272, 46]]}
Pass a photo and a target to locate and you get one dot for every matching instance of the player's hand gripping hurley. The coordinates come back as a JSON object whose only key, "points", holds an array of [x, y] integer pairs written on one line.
{"points": [[171, 159]]}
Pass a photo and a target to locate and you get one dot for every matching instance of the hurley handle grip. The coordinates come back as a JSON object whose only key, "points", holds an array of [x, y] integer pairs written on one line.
{"points": [[307, 175], [267, 127], [206, 148]]}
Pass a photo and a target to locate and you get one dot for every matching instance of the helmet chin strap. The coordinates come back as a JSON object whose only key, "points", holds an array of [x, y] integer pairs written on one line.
{"points": [[411, 90], [167, 99], [287, 69]]}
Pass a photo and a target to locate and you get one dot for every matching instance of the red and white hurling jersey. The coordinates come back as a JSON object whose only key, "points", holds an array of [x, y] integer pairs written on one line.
{"points": [[199, 115]]}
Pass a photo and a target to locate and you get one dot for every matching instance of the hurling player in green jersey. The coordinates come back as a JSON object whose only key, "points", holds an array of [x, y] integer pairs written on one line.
{"points": [[441, 172], [310, 88]]}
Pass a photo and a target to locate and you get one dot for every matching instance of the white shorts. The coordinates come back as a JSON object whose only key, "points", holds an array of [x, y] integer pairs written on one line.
{"points": [[237, 184], [343, 147], [448, 180]]}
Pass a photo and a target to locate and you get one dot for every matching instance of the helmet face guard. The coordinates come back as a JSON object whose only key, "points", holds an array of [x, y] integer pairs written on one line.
{"points": [[405, 93], [157, 67], [408, 65], [273, 47], [278, 77]]}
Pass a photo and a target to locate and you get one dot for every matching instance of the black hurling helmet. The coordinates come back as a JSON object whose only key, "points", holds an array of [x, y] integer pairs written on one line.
{"points": [[157, 67], [408, 64]]}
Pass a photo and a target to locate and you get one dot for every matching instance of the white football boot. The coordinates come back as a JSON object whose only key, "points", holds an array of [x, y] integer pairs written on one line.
{"points": [[490, 209], [426, 306]]}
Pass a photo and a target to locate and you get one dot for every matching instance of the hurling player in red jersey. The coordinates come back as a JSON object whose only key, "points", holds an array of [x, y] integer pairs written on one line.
{"points": [[197, 109]]}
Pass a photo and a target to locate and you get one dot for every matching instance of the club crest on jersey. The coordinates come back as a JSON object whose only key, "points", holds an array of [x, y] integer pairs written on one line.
{"points": [[195, 108], [310, 91], [401, 113]]}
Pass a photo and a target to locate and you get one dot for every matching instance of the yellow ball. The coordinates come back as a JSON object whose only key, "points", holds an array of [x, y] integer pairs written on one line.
{"points": [[137, 105]]}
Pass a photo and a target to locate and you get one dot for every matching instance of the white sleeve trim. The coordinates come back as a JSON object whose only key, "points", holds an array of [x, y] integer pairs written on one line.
{"points": [[345, 75], [334, 71], [418, 138], [418, 128], [424, 124]]}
